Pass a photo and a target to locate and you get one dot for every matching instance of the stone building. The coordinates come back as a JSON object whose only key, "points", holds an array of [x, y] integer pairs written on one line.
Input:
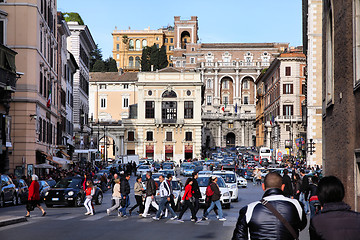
{"points": [[282, 89], [341, 94]]}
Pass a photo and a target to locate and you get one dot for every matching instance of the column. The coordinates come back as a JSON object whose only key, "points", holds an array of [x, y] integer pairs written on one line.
{"points": [[236, 95], [216, 84], [242, 133], [122, 145], [219, 135]]}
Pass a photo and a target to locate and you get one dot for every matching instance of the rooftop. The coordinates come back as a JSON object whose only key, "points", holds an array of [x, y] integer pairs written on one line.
{"points": [[113, 77]]}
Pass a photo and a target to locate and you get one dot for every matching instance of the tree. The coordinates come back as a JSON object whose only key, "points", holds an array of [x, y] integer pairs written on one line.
{"points": [[73, 17], [94, 56], [153, 56], [99, 66], [145, 60], [163, 62], [110, 65]]}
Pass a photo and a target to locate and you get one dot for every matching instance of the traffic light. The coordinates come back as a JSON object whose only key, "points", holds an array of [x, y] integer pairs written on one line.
{"points": [[311, 146]]}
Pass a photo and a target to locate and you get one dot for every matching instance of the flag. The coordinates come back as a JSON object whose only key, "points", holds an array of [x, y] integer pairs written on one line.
{"points": [[48, 104], [236, 108], [223, 108], [271, 123]]}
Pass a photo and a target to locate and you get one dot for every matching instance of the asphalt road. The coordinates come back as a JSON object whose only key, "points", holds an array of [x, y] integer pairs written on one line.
{"points": [[71, 223]]}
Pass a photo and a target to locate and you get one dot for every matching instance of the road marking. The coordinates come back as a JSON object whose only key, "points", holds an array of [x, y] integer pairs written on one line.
{"points": [[145, 220], [94, 218], [203, 223], [118, 219], [68, 217]]}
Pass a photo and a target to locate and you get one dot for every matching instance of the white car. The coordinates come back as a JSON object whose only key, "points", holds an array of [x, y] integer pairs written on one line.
{"points": [[177, 191], [143, 169], [241, 181], [231, 182], [203, 181]]}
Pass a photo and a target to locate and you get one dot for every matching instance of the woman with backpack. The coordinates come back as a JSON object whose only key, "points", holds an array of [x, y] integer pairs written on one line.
{"points": [[215, 200], [208, 195], [187, 201]]}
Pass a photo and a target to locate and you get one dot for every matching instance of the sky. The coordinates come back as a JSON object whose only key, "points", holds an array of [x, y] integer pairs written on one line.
{"points": [[219, 21]]}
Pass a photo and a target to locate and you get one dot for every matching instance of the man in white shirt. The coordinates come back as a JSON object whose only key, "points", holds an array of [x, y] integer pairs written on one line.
{"points": [[165, 199]]}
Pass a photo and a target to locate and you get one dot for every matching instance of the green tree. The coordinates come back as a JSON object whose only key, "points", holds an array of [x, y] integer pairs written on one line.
{"points": [[94, 56], [145, 60], [154, 56], [110, 65], [99, 66], [73, 17], [163, 62]]}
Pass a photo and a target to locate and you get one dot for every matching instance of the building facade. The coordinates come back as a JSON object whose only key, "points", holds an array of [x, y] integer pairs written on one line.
{"points": [[167, 121], [282, 87], [341, 94], [80, 44]]}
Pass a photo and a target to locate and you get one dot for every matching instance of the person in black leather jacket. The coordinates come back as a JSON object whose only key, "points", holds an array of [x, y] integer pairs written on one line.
{"points": [[150, 194], [259, 222]]}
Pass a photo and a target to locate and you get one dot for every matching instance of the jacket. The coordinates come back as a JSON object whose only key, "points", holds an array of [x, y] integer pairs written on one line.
{"points": [[150, 187], [90, 192], [304, 188], [164, 189], [336, 221], [137, 189], [288, 190], [188, 192], [124, 187], [196, 189], [116, 191], [34, 191], [258, 221], [217, 194]]}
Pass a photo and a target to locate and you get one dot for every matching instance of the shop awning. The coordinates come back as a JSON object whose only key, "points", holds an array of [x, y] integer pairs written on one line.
{"points": [[65, 154], [44, 166], [188, 148], [48, 156], [61, 161]]}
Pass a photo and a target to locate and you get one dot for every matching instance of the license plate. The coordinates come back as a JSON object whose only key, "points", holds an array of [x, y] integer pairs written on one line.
{"points": [[55, 199]]}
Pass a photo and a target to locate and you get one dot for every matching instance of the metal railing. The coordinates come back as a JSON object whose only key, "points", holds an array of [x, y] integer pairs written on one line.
{"points": [[226, 115]]}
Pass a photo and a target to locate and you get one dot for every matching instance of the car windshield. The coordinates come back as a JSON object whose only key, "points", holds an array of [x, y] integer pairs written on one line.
{"points": [[189, 167], [229, 178], [204, 181], [165, 172], [144, 167], [167, 167], [265, 151], [68, 183]]}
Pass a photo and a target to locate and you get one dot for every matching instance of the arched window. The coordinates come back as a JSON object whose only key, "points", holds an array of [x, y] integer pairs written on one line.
{"points": [[131, 61], [131, 44], [226, 84], [137, 62], [144, 43], [137, 44], [246, 84], [209, 83], [169, 94]]}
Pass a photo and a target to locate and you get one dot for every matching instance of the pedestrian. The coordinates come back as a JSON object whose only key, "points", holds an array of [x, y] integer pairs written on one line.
{"points": [[196, 191], [187, 201], [337, 220], [150, 194], [261, 219], [138, 192], [172, 201], [34, 196], [304, 190], [89, 192], [288, 190], [125, 191], [296, 185], [165, 192], [208, 195], [313, 196], [116, 196], [215, 199]]}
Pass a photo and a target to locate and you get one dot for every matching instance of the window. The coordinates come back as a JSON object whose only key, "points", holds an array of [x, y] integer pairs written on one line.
{"points": [[177, 63], [192, 60], [246, 84], [188, 109], [193, 49], [171, 40], [137, 62], [103, 102], [157, 38], [166, 40], [131, 44], [125, 103], [41, 83], [117, 56], [188, 136], [209, 84], [149, 109], [226, 84], [149, 136], [246, 100], [288, 88], [169, 112], [144, 43], [230, 125], [137, 44], [40, 130], [226, 100], [117, 38], [169, 136], [287, 71], [303, 89], [357, 41], [117, 47], [288, 110], [209, 100], [131, 136], [329, 55], [131, 61], [102, 86], [126, 86]]}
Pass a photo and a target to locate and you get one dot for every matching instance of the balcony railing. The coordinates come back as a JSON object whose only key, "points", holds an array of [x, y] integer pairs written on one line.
{"points": [[235, 64], [228, 116], [294, 118]]}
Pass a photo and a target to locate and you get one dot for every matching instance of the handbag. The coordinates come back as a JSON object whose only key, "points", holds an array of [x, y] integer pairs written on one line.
{"points": [[281, 218], [192, 199], [30, 206]]}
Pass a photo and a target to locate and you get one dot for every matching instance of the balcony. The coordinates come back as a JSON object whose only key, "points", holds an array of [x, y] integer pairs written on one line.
{"points": [[228, 116], [169, 121], [288, 119], [234, 64], [7, 68]]}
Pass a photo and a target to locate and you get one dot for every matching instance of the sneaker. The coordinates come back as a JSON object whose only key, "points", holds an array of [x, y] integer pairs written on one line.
{"points": [[174, 218], [199, 220], [87, 213], [142, 215], [193, 220], [156, 219], [217, 216], [92, 214], [180, 220], [124, 216], [120, 214], [205, 218], [222, 219], [108, 212]]}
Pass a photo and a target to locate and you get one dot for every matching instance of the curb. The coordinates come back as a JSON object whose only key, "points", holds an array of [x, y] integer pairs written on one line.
{"points": [[11, 221]]}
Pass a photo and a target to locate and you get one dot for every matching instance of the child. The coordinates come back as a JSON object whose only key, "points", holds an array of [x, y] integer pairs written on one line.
{"points": [[90, 191]]}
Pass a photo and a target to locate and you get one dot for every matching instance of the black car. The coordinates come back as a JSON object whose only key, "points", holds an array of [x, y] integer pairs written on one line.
{"points": [[7, 191], [22, 191], [69, 191]]}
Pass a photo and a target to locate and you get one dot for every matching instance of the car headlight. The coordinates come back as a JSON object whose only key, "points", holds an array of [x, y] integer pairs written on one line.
{"points": [[47, 193], [70, 193], [226, 194], [233, 186]]}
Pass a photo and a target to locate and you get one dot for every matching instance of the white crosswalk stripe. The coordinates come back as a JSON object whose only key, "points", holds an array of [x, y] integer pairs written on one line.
{"points": [[95, 217]]}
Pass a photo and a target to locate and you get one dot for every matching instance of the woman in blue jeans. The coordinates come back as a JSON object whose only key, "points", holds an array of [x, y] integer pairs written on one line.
{"points": [[215, 199]]}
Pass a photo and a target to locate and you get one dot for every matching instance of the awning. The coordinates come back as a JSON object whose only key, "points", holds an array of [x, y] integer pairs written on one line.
{"points": [[168, 148], [44, 166], [188, 148], [48, 156], [61, 161], [65, 154], [149, 148]]}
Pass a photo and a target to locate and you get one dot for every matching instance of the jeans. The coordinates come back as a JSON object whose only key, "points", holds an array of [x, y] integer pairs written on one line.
{"points": [[207, 205], [88, 206], [149, 201], [303, 201], [139, 204], [213, 204], [127, 203], [313, 207], [196, 205], [165, 204], [188, 204], [116, 205]]}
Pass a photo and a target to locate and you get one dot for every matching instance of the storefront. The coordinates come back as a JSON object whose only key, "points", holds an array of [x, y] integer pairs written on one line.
{"points": [[188, 152], [150, 151], [169, 154]]}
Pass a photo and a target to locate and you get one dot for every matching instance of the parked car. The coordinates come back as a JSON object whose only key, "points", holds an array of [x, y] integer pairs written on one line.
{"points": [[22, 191], [7, 191], [44, 188], [69, 191], [241, 181], [203, 181], [188, 170], [231, 182], [142, 169], [177, 191]]}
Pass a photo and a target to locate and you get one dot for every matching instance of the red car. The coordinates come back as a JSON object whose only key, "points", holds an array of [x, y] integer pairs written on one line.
{"points": [[256, 158]]}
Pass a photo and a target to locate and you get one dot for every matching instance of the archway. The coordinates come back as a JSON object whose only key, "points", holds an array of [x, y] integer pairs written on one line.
{"points": [[185, 38], [226, 91], [248, 90], [230, 139]]}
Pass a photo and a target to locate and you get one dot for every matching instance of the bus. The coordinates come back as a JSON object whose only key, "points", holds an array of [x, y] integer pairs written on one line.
{"points": [[265, 152]]}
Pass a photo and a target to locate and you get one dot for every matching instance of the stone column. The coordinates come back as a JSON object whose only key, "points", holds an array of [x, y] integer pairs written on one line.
{"points": [[216, 98], [242, 133], [122, 145], [219, 135]]}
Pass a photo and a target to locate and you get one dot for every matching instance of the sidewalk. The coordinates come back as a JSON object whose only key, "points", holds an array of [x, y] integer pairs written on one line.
{"points": [[8, 220]]}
